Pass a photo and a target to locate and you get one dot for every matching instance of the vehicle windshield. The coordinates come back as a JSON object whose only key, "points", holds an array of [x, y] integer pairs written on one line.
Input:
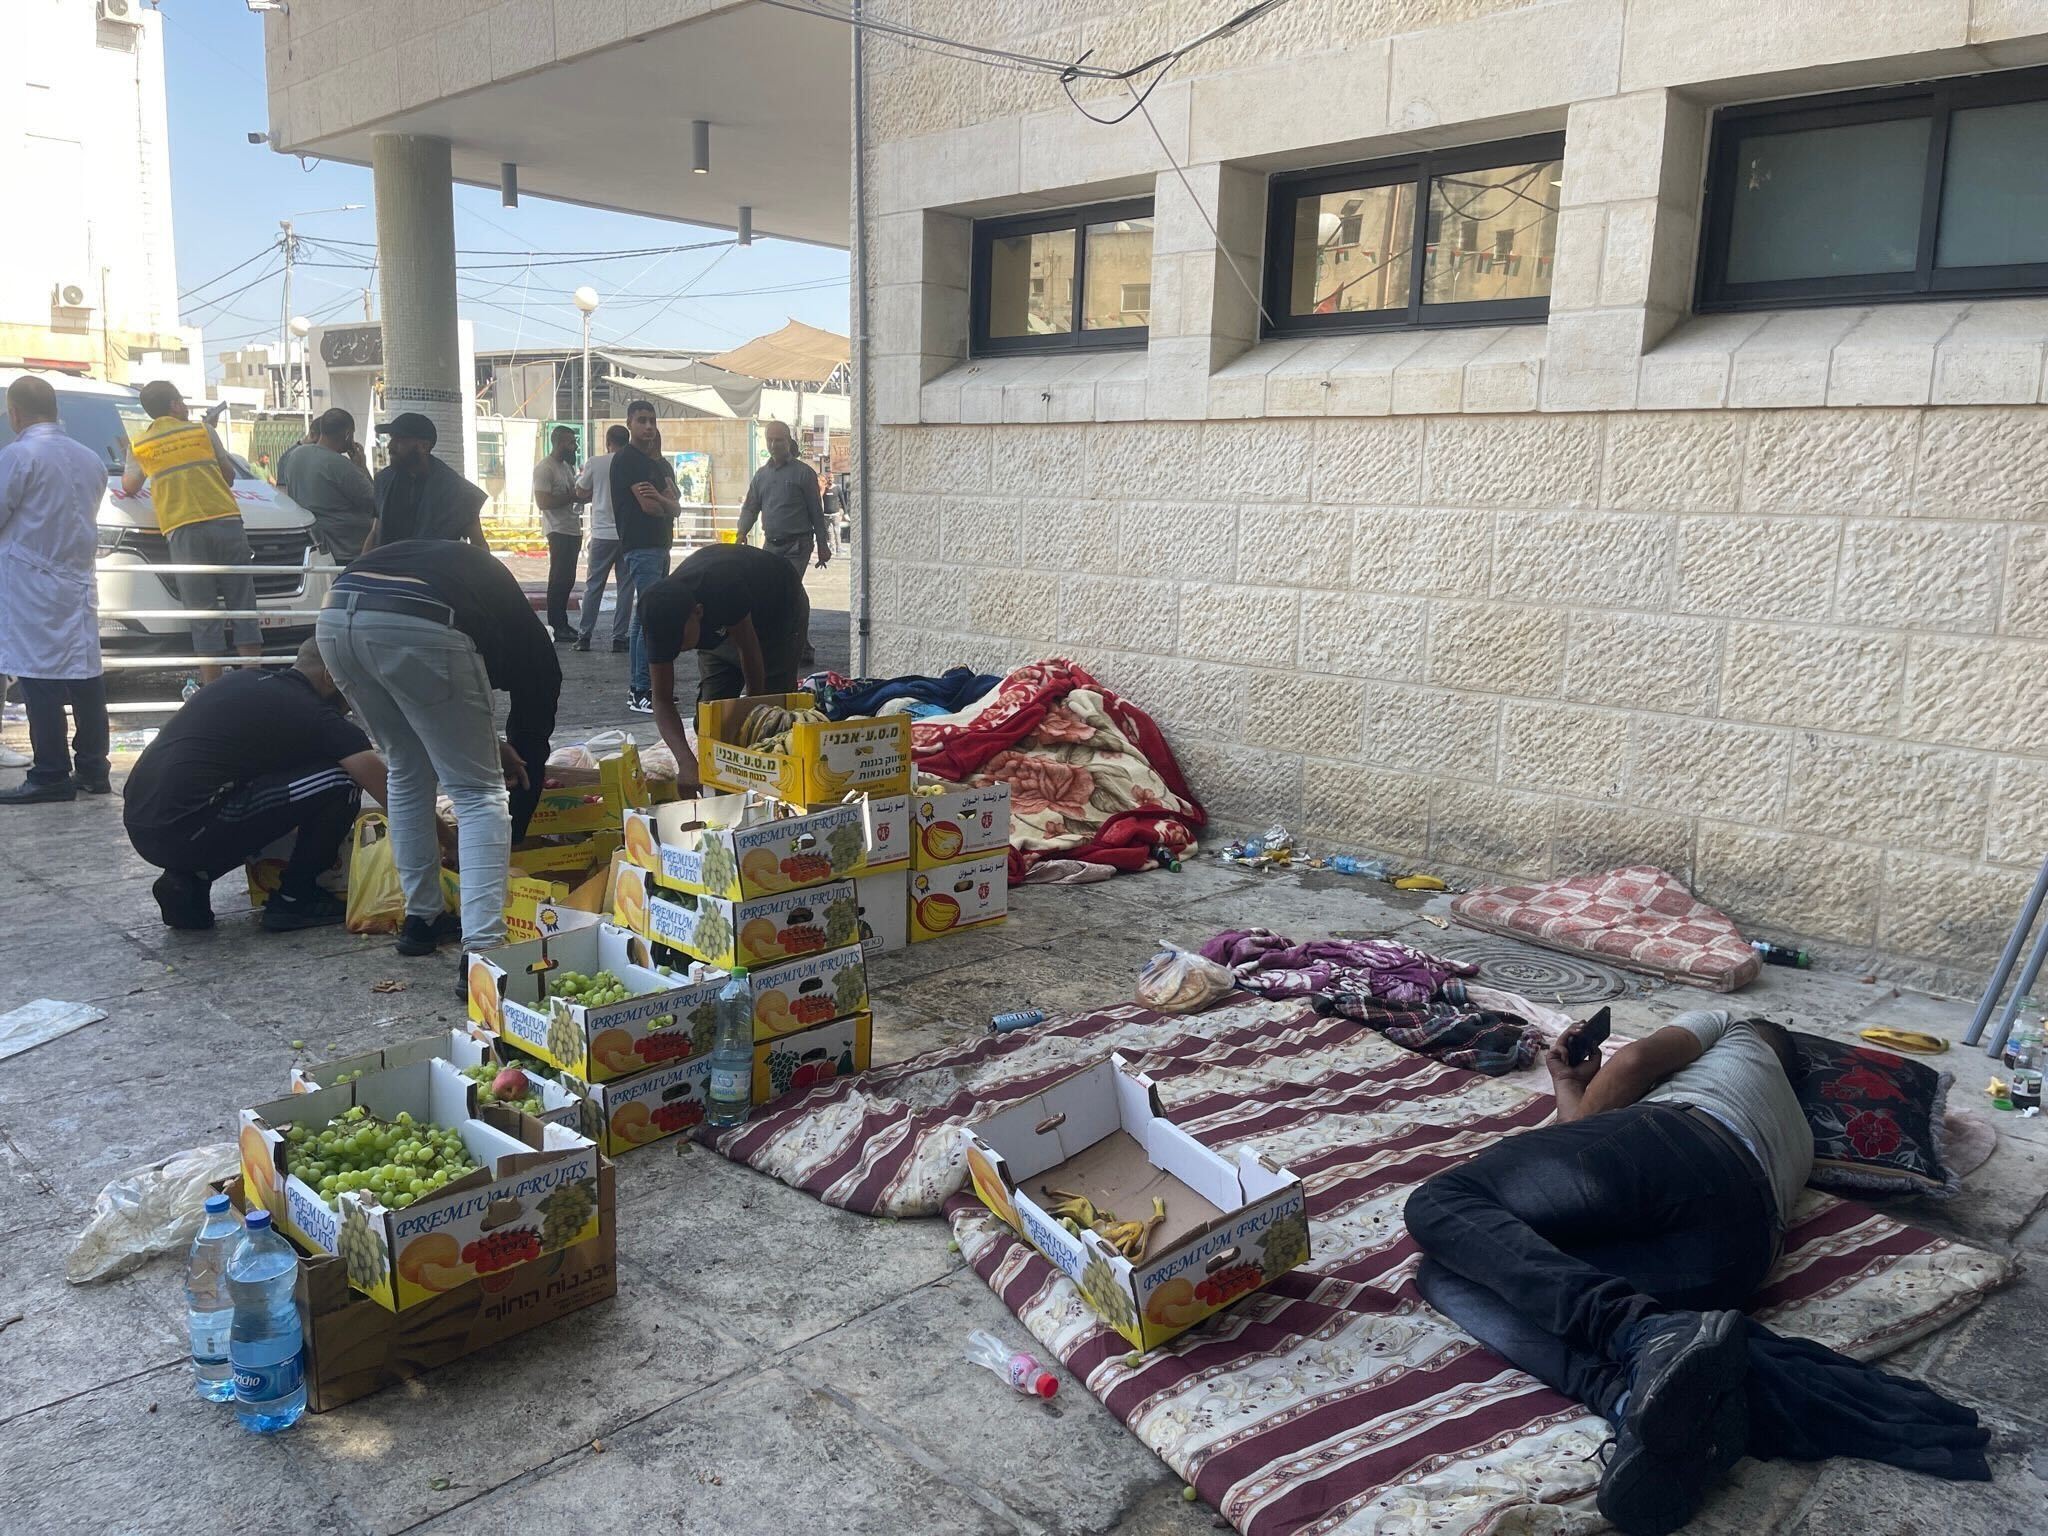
{"points": [[102, 422]]}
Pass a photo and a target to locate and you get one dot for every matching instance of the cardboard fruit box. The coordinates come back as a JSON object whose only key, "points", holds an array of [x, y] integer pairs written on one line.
{"points": [[758, 931], [956, 896], [1231, 1225], [354, 1347], [884, 904], [630, 1112], [510, 995], [457, 1047], [589, 799], [742, 845], [813, 1057], [534, 1189], [955, 823], [823, 762]]}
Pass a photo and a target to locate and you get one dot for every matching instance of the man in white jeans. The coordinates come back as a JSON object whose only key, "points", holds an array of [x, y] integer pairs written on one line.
{"points": [[417, 635]]}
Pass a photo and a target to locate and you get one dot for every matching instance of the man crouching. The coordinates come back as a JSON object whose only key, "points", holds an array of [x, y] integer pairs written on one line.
{"points": [[1608, 1254]]}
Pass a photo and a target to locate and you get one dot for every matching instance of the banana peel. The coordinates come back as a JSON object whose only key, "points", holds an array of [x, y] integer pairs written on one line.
{"points": [[1078, 1209]]}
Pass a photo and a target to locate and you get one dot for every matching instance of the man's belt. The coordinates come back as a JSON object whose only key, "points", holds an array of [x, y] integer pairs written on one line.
{"points": [[350, 601]]}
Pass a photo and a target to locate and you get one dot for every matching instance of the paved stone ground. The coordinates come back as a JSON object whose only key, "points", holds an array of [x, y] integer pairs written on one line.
{"points": [[769, 1364]]}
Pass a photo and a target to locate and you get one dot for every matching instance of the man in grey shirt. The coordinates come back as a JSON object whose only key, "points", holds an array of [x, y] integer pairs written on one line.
{"points": [[324, 476], [561, 518], [1608, 1254], [784, 498], [594, 485]]}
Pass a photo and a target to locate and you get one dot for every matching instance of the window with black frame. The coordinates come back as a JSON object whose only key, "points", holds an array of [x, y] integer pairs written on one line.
{"points": [[1918, 192], [1077, 279], [1465, 236]]}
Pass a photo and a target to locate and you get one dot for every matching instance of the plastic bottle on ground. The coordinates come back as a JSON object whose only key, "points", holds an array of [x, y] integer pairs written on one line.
{"points": [[1372, 869], [209, 1309], [266, 1346], [1021, 1370], [2026, 1031], [1782, 954], [729, 1095]]}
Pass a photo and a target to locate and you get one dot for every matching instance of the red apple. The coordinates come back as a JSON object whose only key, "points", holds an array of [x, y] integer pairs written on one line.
{"points": [[510, 1084]]}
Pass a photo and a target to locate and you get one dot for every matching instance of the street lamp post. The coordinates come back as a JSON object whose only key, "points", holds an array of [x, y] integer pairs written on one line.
{"points": [[586, 300]]}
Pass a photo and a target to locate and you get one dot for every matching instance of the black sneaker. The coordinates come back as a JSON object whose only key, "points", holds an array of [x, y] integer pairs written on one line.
{"points": [[287, 914], [640, 703], [582, 644], [620, 647], [28, 792], [1645, 1494], [1680, 1364], [564, 636], [89, 785], [462, 980], [184, 900], [417, 936]]}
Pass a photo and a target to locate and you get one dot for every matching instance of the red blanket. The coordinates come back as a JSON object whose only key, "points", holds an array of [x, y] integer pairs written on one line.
{"points": [[1091, 778]]}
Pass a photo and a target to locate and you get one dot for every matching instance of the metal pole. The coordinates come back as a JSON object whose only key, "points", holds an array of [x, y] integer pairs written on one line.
{"points": [[284, 321], [2003, 970], [585, 444], [863, 589]]}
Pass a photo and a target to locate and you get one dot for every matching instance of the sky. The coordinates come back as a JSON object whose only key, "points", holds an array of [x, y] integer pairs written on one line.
{"points": [[227, 196]]}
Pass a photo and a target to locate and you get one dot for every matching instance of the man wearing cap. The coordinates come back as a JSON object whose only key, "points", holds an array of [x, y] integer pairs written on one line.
{"points": [[191, 486], [420, 496]]}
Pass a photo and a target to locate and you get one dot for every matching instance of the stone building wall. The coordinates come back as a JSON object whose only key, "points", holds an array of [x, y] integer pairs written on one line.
{"points": [[1757, 597]]}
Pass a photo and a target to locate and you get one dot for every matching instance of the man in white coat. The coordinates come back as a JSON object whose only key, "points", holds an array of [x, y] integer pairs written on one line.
{"points": [[50, 492]]}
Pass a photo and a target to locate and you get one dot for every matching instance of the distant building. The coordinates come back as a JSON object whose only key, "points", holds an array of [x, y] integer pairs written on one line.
{"points": [[83, 129]]}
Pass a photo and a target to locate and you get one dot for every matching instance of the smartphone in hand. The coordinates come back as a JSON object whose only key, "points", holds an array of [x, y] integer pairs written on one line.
{"points": [[1588, 1036]]}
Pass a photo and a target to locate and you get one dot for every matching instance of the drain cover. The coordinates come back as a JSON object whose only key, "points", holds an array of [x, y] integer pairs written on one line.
{"points": [[1541, 975]]}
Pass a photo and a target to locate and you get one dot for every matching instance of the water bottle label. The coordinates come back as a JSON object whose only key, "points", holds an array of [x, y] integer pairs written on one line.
{"points": [[730, 1084], [270, 1383]]}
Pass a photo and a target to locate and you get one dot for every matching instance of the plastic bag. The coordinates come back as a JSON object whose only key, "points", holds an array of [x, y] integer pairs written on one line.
{"points": [[154, 1209], [1175, 981], [605, 743], [376, 901], [575, 755], [657, 762]]}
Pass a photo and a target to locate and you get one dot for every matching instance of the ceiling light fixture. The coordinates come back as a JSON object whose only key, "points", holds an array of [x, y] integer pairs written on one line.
{"points": [[508, 184], [700, 147], [746, 225]]}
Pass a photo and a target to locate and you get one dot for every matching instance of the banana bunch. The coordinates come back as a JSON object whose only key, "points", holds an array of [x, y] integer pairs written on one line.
{"points": [[768, 728], [1129, 1238]]}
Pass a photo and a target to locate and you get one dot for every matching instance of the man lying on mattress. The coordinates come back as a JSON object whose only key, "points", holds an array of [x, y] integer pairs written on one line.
{"points": [[1607, 1254]]}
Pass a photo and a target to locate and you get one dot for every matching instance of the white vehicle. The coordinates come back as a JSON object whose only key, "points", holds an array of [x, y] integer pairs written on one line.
{"points": [[103, 417]]}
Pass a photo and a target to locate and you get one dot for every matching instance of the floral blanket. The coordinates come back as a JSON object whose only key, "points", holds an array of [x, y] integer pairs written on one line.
{"points": [[1091, 778], [1335, 1400]]}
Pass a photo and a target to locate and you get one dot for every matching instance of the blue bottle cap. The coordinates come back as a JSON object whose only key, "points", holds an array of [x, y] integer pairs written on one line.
{"points": [[215, 1204], [258, 1220]]}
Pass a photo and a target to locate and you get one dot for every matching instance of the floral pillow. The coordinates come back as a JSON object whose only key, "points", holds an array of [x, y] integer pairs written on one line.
{"points": [[1876, 1118]]}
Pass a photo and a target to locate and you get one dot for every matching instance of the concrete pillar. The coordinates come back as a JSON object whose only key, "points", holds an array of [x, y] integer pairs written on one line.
{"points": [[416, 277]]}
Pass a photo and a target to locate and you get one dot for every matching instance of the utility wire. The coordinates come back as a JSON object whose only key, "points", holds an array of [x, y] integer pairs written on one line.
{"points": [[1243, 281], [231, 271]]}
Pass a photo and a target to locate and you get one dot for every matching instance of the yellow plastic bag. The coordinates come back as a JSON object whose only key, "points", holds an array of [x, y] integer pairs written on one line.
{"points": [[376, 901]]}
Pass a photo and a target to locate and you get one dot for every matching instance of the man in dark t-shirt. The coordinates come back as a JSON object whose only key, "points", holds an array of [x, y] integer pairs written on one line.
{"points": [[645, 504], [419, 496], [248, 759], [743, 610]]}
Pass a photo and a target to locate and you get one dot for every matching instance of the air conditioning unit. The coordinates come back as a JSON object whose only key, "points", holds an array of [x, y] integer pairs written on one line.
{"points": [[70, 295], [125, 12]]}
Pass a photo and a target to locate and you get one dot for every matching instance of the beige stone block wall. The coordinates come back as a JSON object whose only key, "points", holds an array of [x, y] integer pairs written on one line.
{"points": [[1756, 597]]}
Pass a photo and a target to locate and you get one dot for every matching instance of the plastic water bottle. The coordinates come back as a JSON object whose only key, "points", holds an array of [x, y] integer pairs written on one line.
{"points": [[266, 1347], [1022, 1371], [191, 687], [209, 1310], [731, 1089], [1348, 864], [2026, 1030]]}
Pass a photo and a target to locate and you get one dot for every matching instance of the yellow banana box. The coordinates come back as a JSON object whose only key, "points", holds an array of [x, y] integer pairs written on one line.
{"points": [[590, 799], [1096, 1145], [743, 845], [823, 761], [951, 897], [534, 1188], [762, 930], [958, 822]]}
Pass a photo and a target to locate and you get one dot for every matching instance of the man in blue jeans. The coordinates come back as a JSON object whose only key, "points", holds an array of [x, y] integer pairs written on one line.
{"points": [[1607, 1254], [645, 504], [417, 635], [594, 485]]}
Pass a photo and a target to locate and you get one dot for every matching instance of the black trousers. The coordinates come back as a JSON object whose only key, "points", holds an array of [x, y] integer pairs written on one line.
{"points": [[563, 549], [1550, 1246], [318, 801], [45, 699]]}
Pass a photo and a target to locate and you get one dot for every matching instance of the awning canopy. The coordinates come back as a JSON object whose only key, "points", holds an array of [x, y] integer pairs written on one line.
{"points": [[798, 352], [698, 386]]}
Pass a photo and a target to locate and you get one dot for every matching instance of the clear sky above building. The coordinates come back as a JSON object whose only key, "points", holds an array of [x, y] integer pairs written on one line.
{"points": [[228, 196]]}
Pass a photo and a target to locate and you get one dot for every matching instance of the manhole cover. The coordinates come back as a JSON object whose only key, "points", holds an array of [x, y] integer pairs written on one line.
{"points": [[1541, 975]]}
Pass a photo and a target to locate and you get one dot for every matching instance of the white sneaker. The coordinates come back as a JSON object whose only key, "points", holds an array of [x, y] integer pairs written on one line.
{"points": [[9, 758]]}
